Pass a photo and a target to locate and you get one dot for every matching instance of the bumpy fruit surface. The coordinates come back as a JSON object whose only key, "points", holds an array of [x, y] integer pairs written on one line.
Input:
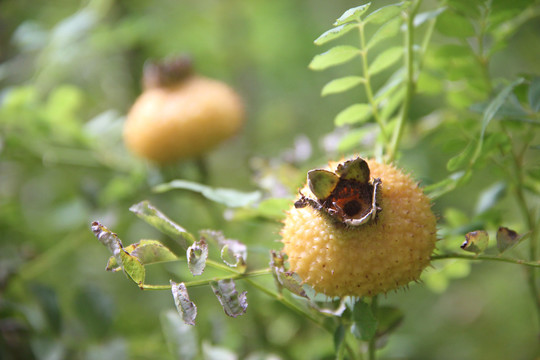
{"points": [[382, 255], [184, 118]]}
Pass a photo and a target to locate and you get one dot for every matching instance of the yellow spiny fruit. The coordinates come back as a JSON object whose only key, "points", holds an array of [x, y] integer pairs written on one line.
{"points": [[382, 254]]}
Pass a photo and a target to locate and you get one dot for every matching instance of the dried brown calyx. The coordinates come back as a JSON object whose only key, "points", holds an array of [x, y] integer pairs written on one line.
{"points": [[347, 195]]}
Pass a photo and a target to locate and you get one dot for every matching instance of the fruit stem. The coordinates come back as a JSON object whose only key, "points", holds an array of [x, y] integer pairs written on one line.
{"points": [[166, 73]]}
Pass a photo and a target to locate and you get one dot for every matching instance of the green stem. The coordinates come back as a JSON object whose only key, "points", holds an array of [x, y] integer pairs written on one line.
{"points": [[292, 306], [517, 164], [486, 257], [367, 83], [194, 283], [372, 345], [411, 83]]}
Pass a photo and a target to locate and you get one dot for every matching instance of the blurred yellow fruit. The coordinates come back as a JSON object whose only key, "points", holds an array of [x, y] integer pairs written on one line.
{"points": [[181, 115], [382, 255]]}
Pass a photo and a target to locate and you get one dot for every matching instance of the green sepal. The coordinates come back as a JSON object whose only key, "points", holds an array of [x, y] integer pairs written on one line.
{"points": [[322, 182], [357, 170]]}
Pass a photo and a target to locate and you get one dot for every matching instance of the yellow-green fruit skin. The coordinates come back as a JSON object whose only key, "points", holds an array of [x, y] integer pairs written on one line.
{"points": [[338, 260], [167, 124]]}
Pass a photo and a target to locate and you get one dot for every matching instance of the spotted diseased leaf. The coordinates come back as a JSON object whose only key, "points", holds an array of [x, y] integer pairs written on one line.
{"points": [[151, 252], [476, 241], [131, 265], [335, 56], [341, 85], [110, 240], [233, 252], [334, 33], [147, 251], [197, 254], [352, 14], [290, 281], [285, 279], [507, 238], [322, 182], [233, 259], [112, 265], [186, 308], [233, 304], [133, 268], [160, 221]]}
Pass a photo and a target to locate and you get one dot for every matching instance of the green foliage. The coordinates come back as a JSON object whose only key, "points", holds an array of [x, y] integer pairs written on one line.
{"points": [[448, 91]]}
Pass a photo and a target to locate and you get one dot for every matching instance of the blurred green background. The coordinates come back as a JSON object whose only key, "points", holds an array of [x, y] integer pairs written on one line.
{"points": [[69, 72]]}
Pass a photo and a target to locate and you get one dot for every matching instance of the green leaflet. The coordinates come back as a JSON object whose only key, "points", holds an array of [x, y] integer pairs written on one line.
{"points": [[353, 114], [229, 197], [385, 59], [385, 13], [341, 85], [454, 25], [334, 33], [491, 111], [335, 56], [352, 14], [461, 159], [365, 322], [390, 29]]}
